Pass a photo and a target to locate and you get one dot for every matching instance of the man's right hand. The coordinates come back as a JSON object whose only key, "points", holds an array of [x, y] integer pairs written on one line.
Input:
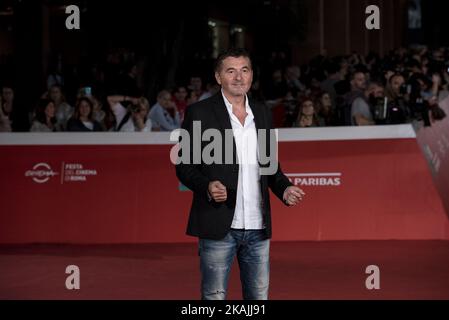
{"points": [[217, 191]]}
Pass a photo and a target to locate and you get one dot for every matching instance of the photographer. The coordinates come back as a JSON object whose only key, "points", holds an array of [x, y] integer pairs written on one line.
{"points": [[364, 108], [397, 94], [134, 117], [424, 99]]}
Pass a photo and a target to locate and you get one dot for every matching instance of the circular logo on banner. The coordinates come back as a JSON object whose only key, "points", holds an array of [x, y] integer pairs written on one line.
{"points": [[41, 173]]}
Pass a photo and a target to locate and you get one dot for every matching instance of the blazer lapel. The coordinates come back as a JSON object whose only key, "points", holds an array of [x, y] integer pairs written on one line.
{"points": [[222, 115], [224, 120], [257, 115], [261, 124], [221, 112]]}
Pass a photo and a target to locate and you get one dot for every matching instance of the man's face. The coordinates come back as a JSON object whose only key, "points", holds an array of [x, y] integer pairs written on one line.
{"points": [[235, 76], [396, 83], [181, 94], [196, 83], [8, 94], [359, 81], [378, 92], [375, 91], [165, 101]]}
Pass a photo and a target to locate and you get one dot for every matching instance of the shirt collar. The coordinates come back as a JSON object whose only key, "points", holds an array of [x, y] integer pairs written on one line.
{"points": [[229, 105]]}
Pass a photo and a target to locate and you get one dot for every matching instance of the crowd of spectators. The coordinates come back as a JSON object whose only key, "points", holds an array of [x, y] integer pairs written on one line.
{"points": [[404, 86]]}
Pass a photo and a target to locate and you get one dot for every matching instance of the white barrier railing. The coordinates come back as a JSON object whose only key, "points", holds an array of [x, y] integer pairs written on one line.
{"points": [[404, 131]]}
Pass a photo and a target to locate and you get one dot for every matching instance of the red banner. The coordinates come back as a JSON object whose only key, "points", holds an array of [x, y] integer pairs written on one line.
{"points": [[117, 193], [434, 142]]}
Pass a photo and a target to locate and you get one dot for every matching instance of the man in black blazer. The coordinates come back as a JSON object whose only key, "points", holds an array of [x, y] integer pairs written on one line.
{"points": [[230, 177]]}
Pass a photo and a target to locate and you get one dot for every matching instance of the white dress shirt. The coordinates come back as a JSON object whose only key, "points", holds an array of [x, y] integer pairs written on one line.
{"points": [[248, 208]]}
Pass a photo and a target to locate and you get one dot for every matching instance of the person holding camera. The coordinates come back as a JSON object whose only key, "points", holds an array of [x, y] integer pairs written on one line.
{"points": [[397, 93], [363, 106], [424, 102], [396, 87], [133, 118]]}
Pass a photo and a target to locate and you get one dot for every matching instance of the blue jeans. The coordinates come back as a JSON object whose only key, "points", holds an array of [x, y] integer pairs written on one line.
{"points": [[217, 256]]}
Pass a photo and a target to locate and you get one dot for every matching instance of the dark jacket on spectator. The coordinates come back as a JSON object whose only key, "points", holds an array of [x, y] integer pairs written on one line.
{"points": [[78, 125]]}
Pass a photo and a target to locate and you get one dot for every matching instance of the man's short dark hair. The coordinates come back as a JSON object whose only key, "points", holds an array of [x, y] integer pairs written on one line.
{"points": [[355, 73], [233, 52]]}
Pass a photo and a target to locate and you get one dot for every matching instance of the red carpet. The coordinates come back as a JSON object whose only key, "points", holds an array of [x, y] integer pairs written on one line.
{"points": [[299, 270]]}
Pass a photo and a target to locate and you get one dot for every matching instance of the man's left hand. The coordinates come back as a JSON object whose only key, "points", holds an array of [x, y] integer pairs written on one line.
{"points": [[293, 195]]}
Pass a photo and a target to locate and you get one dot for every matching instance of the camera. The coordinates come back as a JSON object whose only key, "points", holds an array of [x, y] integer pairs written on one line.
{"points": [[405, 89], [379, 108], [389, 112], [135, 108], [397, 111]]}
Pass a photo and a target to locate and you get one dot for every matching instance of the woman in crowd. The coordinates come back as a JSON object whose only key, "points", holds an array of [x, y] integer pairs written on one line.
{"points": [[5, 124], [63, 110], [45, 119], [306, 116], [82, 119], [324, 110]]}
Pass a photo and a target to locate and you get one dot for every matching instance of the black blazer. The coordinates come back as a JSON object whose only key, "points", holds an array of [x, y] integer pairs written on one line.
{"points": [[209, 219]]}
